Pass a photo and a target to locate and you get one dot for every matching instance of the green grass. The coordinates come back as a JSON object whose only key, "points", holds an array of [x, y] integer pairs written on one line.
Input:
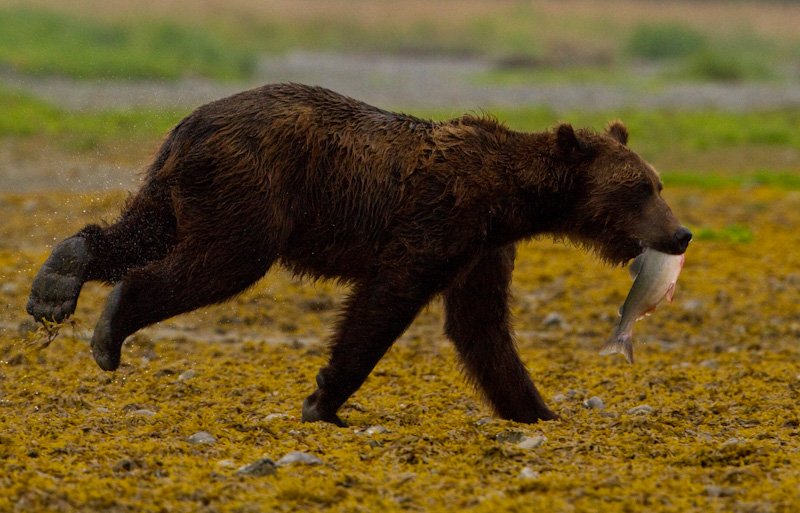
{"points": [[227, 46], [657, 132], [25, 116], [660, 41], [781, 180], [732, 233], [656, 135], [42, 42]]}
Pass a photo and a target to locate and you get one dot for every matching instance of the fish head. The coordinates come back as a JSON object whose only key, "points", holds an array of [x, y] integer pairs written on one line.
{"points": [[618, 210]]}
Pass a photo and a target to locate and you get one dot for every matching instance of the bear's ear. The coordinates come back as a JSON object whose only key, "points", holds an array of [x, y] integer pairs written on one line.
{"points": [[571, 146], [617, 130]]}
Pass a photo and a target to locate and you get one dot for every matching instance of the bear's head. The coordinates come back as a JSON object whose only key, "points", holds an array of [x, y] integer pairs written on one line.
{"points": [[616, 206]]}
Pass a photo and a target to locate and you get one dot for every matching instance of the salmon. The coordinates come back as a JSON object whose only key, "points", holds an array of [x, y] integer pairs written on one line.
{"points": [[654, 277]]}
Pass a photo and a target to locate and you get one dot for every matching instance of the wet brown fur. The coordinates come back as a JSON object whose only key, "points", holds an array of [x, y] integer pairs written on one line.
{"points": [[402, 208]]}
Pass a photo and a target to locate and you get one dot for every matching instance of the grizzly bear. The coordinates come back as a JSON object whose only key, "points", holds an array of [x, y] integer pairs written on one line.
{"points": [[403, 209]]}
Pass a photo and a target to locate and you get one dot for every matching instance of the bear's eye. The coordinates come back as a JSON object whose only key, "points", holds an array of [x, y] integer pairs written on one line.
{"points": [[644, 189]]}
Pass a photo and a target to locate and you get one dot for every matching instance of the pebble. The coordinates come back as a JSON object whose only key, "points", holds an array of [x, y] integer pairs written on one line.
{"points": [[299, 457], [262, 467], [594, 403], [377, 430], [528, 473], [144, 413], [719, 491], [693, 305], [481, 422], [644, 409], [731, 441], [709, 364], [558, 398], [511, 437], [275, 416], [531, 442], [553, 319], [9, 288], [705, 437], [226, 463], [189, 374], [202, 437]]}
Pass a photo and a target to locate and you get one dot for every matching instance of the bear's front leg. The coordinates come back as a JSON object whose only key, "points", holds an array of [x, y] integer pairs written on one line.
{"points": [[478, 322], [377, 312]]}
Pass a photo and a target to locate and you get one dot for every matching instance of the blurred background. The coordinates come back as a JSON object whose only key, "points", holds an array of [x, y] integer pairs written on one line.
{"points": [[88, 87]]}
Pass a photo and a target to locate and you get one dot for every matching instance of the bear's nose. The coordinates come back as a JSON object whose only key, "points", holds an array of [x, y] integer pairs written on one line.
{"points": [[682, 237]]}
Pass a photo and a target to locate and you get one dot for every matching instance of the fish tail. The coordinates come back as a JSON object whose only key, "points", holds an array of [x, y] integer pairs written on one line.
{"points": [[619, 342]]}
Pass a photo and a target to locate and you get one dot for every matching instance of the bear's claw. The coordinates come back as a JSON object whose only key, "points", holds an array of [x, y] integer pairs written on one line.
{"points": [[312, 413], [57, 285]]}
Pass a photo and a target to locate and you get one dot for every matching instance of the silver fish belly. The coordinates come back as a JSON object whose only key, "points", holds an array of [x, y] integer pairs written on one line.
{"points": [[655, 275]]}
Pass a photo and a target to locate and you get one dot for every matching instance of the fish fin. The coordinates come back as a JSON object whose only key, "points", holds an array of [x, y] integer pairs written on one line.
{"points": [[619, 343], [670, 292], [636, 266], [645, 314]]}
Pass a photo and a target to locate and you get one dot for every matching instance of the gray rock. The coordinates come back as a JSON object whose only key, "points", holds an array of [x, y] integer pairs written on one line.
{"points": [[594, 403], [531, 442], [275, 416], [705, 437], [553, 319], [303, 458], [511, 437], [481, 422], [709, 364], [719, 491], [558, 398], [693, 305], [262, 467], [144, 413], [202, 437], [644, 409], [189, 374], [528, 473], [731, 441], [377, 430]]}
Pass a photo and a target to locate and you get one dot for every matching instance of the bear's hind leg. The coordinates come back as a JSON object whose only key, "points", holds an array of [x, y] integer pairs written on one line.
{"points": [[478, 322], [192, 276], [57, 285], [378, 311]]}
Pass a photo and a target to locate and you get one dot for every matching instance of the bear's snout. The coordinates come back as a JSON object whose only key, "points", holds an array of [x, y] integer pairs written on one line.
{"points": [[682, 238]]}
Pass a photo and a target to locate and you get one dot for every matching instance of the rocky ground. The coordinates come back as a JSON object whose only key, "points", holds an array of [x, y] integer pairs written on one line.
{"points": [[203, 415]]}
